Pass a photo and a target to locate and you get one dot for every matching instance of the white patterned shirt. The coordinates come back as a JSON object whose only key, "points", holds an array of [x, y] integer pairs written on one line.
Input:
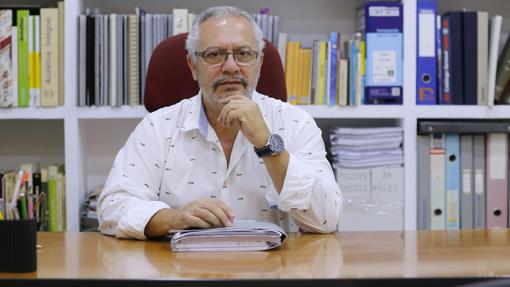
{"points": [[174, 157]]}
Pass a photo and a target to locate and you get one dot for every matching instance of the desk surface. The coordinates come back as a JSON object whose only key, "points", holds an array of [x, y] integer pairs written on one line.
{"points": [[471, 253]]}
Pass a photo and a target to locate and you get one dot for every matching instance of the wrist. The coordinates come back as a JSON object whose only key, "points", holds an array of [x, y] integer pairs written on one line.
{"points": [[162, 221], [176, 220], [262, 141]]}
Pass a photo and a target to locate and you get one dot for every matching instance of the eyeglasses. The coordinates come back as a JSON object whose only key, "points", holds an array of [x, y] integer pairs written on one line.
{"points": [[216, 57]]}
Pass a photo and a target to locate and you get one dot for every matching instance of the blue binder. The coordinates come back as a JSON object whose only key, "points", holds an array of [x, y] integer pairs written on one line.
{"points": [[452, 179], [384, 44], [333, 41], [426, 67]]}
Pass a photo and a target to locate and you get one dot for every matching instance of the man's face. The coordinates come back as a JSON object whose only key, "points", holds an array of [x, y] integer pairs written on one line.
{"points": [[218, 81]]}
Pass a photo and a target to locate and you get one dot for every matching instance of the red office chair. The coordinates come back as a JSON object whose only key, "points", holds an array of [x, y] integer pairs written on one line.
{"points": [[169, 79]]}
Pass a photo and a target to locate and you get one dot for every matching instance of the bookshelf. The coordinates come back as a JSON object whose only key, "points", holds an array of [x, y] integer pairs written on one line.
{"points": [[87, 139]]}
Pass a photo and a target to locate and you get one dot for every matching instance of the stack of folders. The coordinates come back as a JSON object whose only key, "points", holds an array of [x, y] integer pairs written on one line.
{"points": [[244, 235], [368, 164], [366, 147]]}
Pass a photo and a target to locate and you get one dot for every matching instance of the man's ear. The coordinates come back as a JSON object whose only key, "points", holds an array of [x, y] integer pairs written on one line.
{"points": [[192, 66]]}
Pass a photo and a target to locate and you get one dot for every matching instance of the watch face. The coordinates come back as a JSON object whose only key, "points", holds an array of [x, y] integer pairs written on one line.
{"points": [[276, 143]]}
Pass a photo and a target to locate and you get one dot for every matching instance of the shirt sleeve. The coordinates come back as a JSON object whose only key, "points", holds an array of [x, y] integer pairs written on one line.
{"points": [[310, 193], [131, 194]]}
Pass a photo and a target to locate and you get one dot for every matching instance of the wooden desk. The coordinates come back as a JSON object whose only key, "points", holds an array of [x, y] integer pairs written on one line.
{"points": [[346, 255]]}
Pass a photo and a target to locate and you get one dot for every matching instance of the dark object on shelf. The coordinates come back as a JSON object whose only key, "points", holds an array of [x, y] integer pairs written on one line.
{"points": [[463, 126]]}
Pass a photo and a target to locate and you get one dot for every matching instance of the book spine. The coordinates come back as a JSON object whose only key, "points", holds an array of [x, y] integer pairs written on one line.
{"points": [[23, 68], [52, 205], [5, 58], [133, 60], [49, 56], [31, 60], [14, 59], [60, 25], [37, 60], [333, 42]]}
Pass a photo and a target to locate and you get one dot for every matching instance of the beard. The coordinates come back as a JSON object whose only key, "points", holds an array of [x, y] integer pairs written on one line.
{"points": [[210, 90], [236, 79]]}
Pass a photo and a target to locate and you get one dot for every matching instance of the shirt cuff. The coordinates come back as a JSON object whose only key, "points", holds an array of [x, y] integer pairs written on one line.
{"points": [[297, 188], [132, 225]]}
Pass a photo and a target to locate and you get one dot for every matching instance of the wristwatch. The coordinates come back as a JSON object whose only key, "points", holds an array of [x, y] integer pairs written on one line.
{"points": [[274, 145]]}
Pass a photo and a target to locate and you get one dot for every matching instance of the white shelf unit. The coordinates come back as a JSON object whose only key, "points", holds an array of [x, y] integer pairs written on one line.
{"points": [[87, 139]]}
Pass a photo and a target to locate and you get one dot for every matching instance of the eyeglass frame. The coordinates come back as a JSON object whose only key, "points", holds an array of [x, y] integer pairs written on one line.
{"points": [[201, 54]]}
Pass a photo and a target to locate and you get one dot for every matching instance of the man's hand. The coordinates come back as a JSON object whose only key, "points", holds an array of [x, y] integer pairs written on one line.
{"points": [[203, 213], [241, 110]]}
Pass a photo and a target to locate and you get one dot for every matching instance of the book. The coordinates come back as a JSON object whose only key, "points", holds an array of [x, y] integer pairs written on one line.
{"points": [[60, 53], [133, 60], [22, 65], [6, 89], [244, 235], [494, 34], [49, 54]]}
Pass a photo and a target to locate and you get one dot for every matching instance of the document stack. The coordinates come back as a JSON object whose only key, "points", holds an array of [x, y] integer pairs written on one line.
{"points": [[366, 147], [89, 221], [368, 164], [244, 235]]}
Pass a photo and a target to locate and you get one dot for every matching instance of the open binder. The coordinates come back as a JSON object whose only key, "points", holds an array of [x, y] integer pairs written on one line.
{"points": [[244, 235]]}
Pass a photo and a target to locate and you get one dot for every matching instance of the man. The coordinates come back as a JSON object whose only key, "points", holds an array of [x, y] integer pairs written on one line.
{"points": [[227, 153]]}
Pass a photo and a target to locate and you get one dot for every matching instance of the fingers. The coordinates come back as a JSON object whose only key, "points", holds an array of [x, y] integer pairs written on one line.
{"points": [[205, 213], [220, 211], [229, 113], [208, 216], [233, 117], [194, 221], [231, 103], [232, 98]]}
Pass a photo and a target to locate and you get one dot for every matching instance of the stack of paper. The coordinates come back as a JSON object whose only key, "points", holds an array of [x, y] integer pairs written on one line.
{"points": [[244, 235], [89, 221], [366, 147]]}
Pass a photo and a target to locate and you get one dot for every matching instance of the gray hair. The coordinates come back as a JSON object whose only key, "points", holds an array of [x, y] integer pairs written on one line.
{"points": [[220, 12]]}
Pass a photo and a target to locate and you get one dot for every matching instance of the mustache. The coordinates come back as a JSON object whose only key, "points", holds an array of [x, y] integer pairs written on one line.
{"points": [[223, 79]]}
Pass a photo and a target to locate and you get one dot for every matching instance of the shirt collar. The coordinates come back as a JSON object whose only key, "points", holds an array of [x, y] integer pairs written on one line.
{"points": [[194, 113]]}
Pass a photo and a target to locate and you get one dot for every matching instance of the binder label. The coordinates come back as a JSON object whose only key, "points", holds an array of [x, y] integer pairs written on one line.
{"points": [[479, 174], [466, 181], [426, 33], [385, 67], [383, 11]]}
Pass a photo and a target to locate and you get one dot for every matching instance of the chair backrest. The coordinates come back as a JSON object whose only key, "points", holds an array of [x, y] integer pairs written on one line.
{"points": [[169, 79]]}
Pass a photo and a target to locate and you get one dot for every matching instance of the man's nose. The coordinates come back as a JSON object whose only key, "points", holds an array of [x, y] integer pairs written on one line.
{"points": [[230, 65]]}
